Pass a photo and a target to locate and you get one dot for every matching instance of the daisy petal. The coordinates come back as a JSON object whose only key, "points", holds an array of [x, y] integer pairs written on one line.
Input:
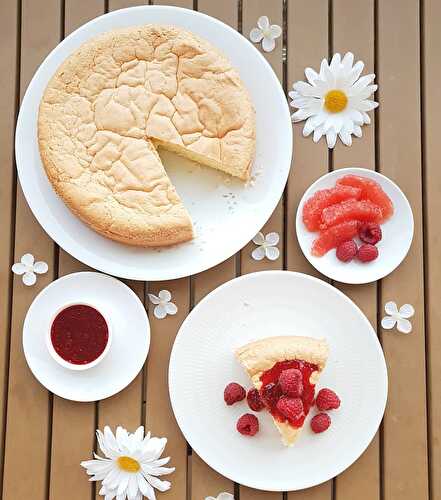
{"points": [[391, 308], [272, 238], [406, 311], [305, 89], [40, 267], [357, 131], [275, 31], [27, 259], [347, 61], [366, 118], [272, 253], [165, 295], [170, 308], [263, 22], [308, 128], [256, 35], [19, 268], [268, 44], [153, 299], [355, 72], [335, 64], [361, 84], [259, 239], [311, 75], [388, 322], [160, 312], [225, 496], [367, 105], [258, 253], [29, 278], [318, 132], [331, 138], [345, 138], [404, 325]]}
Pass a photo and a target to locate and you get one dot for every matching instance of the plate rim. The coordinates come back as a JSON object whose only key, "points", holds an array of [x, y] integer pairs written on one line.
{"points": [[308, 256], [72, 276], [76, 250], [295, 274]]}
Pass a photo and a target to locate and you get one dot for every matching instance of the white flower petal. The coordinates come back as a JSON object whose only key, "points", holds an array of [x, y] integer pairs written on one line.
{"points": [[311, 75], [331, 138], [165, 295], [305, 89], [308, 128], [170, 308], [357, 131], [29, 278], [268, 44], [258, 253], [367, 105], [27, 259], [406, 311], [225, 496], [318, 132], [345, 138], [388, 322], [40, 267], [361, 84], [160, 312], [263, 22], [404, 325], [256, 35], [355, 72], [347, 61], [259, 239], [323, 66], [335, 64], [272, 238], [153, 299], [366, 118], [19, 268], [275, 31], [272, 253], [145, 487], [391, 308]]}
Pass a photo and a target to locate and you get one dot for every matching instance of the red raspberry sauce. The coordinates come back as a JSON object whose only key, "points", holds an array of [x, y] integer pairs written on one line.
{"points": [[79, 334], [272, 376]]}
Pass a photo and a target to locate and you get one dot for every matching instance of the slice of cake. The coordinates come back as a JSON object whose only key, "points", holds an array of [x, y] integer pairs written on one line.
{"points": [[285, 370]]}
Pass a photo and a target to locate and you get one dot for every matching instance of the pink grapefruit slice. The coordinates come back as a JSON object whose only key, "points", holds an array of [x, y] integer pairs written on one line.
{"points": [[370, 190], [313, 207], [332, 237], [361, 210]]}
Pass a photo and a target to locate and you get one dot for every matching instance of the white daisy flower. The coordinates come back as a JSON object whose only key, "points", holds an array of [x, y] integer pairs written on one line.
{"points": [[267, 246], [132, 465], [265, 33], [398, 317], [28, 268], [222, 496], [335, 102], [163, 304]]}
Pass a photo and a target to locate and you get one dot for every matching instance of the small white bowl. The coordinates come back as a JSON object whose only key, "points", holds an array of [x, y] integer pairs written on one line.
{"points": [[63, 362]]}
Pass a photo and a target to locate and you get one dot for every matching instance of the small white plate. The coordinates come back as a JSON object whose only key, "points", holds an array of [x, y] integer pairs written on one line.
{"points": [[202, 363], [130, 339], [393, 247], [226, 213]]}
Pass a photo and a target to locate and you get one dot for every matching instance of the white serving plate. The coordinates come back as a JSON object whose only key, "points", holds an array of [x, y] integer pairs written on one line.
{"points": [[226, 214]]}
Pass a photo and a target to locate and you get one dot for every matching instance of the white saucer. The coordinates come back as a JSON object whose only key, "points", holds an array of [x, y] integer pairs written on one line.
{"points": [[393, 248], [202, 362], [130, 342]]}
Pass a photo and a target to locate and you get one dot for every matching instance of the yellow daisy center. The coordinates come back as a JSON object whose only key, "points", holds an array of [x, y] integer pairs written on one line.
{"points": [[335, 101], [128, 464]]}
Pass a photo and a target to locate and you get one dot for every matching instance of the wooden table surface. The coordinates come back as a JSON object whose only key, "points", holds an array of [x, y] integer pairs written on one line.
{"points": [[44, 438]]}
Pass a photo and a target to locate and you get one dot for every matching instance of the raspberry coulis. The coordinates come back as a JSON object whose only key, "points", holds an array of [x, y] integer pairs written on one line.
{"points": [[79, 334], [272, 375]]}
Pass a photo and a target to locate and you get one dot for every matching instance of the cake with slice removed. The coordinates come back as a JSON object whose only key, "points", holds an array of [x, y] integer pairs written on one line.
{"points": [[285, 370]]}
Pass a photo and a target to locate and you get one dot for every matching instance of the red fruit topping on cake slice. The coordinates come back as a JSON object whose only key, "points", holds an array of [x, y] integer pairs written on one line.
{"points": [[248, 425], [347, 251], [334, 236], [370, 190], [291, 382], [367, 253], [370, 232], [313, 207], [320, 422], [361, 210], [291, 408], [254, 400], [270, 394], [233, 393], [327, 400]]}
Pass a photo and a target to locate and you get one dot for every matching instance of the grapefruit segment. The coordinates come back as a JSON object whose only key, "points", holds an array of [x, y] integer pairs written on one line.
{"points": [[370, 190], [313, 207], [361, 210], [334, 236]]}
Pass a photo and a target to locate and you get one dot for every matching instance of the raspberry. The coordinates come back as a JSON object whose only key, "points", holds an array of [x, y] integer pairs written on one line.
{"points": [[291, 408], [320, 422], [254, 401], [248, 425], [367, 253], [347, 251], [327, 400], [270, 394], [370, 232], [291, 382], [233, 393]]}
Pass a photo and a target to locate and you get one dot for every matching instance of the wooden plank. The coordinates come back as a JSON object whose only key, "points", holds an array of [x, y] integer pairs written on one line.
{"points": [[362, 480], [8, 104], [405, 425], [28, 422], [432, 187], [310, 160], [77, 13], [122, 4]]}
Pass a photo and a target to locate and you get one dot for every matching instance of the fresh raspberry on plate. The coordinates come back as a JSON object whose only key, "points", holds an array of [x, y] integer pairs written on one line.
{"points": [[367, 253], [327, 400], [248, 424], [291, 382], [347, 251], [291, 408], [370, 232], [254, 401], [233, 393], [320, 422]]}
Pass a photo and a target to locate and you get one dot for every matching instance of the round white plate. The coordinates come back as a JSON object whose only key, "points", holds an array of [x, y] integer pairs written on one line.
{"points": [[266, 304], [225, 212], [130, 337], [393, 247]]}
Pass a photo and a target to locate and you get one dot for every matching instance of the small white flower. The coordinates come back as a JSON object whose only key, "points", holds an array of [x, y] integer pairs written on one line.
{"points": [[132, 464], [163, 304], [398, 317], [222, 496], [265, 33], [267, 246], [28, 268], [335, 102]]}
